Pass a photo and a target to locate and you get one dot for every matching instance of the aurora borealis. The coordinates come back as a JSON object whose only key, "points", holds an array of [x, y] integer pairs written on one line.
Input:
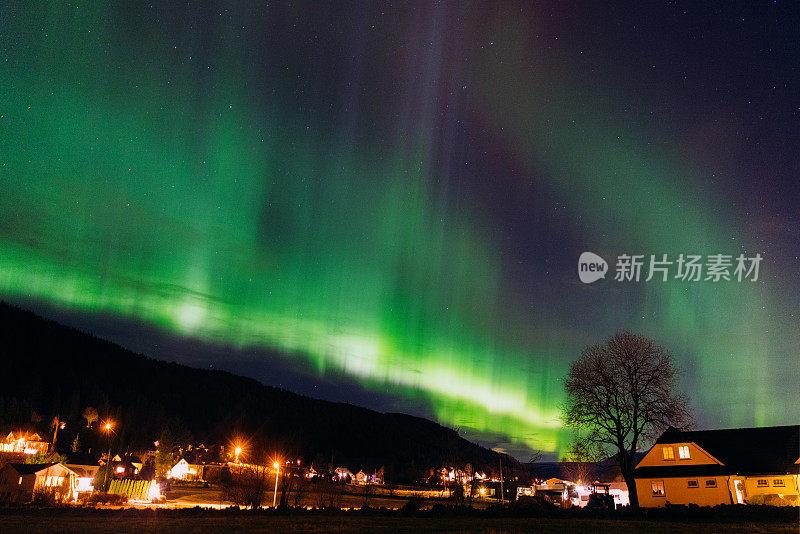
{"points": [[396, 195]]}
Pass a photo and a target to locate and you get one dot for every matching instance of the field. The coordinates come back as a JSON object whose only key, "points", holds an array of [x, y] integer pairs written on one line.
{"points": [[195, 521], [347, 497]]}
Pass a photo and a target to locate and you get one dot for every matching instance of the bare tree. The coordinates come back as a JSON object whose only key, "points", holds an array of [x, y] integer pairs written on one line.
{"points": [[577, 467], [299, 493], [619, 395], [247, 485], [369, 493], [328, 492], [55, 425], [292, 482]]}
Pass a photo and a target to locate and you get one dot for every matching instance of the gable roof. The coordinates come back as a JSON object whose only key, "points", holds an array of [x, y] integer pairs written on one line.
{"points": [[773, 449], [29, 469]]}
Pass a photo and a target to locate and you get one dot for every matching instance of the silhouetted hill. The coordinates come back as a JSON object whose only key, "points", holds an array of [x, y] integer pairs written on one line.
{"points": [[50, 369]]}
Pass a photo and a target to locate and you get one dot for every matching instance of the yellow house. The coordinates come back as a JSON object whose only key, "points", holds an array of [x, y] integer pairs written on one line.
{"points": [[710, 467]]}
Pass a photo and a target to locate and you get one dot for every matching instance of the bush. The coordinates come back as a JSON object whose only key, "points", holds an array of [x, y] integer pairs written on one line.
{"points": [[412, 506], [44, 498], [111, 499]]}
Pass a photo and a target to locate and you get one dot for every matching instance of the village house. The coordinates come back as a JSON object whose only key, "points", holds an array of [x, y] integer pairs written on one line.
{"points": [[23, 444], [710, 467], [127, 467], [19, 482], [344, 474], [183, 470]]}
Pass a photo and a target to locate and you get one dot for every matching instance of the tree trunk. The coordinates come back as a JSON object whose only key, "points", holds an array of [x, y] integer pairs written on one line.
{"points": [[626, 466]]}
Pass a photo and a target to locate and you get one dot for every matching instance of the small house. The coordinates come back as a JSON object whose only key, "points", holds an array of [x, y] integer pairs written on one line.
{"points": [[20, 482], [183, 470]]}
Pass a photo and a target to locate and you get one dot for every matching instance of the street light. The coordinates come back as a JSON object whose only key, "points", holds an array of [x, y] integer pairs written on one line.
{"points": [[108, 429], [277, 467], [237, 452]]}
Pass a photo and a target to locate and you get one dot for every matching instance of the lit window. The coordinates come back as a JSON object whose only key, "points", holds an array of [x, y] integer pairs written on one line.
{"points": [[777, 482], [683, 452], [692, 484], [20, 481], [762, 483], [658, 488], [668, 452], [711, 483]]}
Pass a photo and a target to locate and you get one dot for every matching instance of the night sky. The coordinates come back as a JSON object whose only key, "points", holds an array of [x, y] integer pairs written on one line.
{"points": [[384, 203]]}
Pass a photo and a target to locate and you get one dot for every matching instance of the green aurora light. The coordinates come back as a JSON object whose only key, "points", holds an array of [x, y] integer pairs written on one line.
{"points": [[145, 181]]}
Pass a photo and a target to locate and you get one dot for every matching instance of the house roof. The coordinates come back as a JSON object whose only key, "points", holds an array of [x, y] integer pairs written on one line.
{"points": [[763, 450], [29, 469]]}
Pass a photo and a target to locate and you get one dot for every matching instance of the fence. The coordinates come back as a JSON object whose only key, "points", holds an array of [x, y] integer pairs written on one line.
{"points": [[135, 489]]}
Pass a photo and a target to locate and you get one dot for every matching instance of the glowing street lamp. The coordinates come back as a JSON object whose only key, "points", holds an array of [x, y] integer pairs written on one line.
{"points": [[237, 452], [277, 467], [108, 429]]}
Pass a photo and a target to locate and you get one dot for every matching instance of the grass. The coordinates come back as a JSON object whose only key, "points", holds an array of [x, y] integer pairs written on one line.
{"points": [[193, 521]]}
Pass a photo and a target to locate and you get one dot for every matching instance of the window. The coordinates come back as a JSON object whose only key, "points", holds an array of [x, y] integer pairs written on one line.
{"points": [[692, 484], [683, 452], [658, 488], [20, 481], [668, 453], [711, 483], [777, 482], [762, 483]]}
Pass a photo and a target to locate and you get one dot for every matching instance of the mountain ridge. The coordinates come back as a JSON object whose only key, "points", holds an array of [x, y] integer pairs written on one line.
{"points": [[59, 370]]}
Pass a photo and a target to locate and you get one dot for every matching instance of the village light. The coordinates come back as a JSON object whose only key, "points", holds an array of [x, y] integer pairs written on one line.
{"points": [[277, 467], [107, 426], [154, 492], [237, 452]]}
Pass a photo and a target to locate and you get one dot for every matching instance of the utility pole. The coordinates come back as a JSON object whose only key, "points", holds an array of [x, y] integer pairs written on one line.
{"points": [[502, 494], [277, 467]]}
